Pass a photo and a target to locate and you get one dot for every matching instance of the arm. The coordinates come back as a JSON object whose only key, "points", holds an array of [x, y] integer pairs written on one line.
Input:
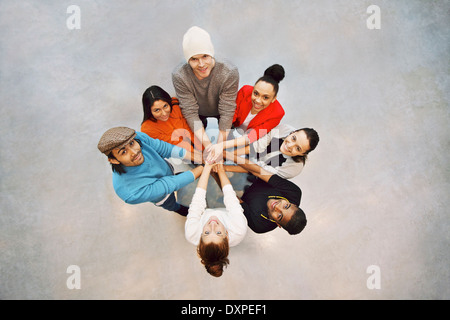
{"points": [[241, 151], [238, 169], [227, 97], [177, 139], [156, 190], [286, 170], [164, 149], [230, 198], [250, 166], [189, 105], [290, 190], [201, 135], [188, 102], [256, 170], [204, 177], [223, 135], [215, 151], [197, 171], [238, 221], [193, 227], [222, 175], [235, 211], [194, 156]]}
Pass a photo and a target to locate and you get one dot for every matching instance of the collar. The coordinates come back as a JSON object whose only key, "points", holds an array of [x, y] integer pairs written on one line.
{"points": [[272, 197], [271, 220]]}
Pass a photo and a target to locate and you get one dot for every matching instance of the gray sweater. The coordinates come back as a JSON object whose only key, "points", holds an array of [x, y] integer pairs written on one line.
{"points": [[212, 96]]}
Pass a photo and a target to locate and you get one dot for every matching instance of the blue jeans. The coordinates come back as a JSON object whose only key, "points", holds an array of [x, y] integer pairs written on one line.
{"points": [[171, 203]]}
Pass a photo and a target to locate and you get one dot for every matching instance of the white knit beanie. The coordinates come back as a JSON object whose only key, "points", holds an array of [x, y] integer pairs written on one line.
{"points": [[197, 41]]}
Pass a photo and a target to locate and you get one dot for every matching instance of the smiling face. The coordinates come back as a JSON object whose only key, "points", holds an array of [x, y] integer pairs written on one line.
{"points": [[161, 110], [130, 155], [295, 144], [281, 211], [262, 96], [214, 231], [201, 65]]}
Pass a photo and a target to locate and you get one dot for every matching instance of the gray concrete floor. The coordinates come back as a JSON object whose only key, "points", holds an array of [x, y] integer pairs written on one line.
{"points": [[375, 190]]}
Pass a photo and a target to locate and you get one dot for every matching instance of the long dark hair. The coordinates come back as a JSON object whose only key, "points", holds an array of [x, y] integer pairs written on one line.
{"points": [[273, 75], [152, 94], [313, 138]]}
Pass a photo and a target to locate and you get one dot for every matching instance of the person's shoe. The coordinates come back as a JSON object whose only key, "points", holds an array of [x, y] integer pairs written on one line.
{"points": [[183, 210]]}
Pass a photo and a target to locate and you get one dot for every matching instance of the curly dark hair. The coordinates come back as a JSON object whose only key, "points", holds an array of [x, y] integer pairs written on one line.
{"points": [[297, 222]]}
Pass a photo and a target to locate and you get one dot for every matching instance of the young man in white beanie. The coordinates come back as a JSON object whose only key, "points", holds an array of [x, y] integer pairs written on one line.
{"points": [[205, 86]]}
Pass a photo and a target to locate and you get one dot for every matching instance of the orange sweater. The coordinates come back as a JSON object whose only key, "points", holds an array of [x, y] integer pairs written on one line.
{"points": [[174, 131]]}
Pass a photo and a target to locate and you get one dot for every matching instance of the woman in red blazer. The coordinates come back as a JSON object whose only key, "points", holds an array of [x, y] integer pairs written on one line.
{"points": [[257, 112]]}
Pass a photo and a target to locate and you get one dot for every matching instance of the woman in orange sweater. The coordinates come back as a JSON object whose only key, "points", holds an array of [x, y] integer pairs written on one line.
{"points": [[163, 120]]}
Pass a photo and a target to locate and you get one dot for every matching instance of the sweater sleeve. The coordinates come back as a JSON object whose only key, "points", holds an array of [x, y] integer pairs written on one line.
{"points": [[239, 98], [291, 191], [188, 101], [157, 190], [285, 171], [236, 214], [164, 149], [262, 143], [193, 227], [227, 99]]}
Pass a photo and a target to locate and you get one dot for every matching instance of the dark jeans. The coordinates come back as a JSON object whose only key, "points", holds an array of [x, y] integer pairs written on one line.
{"points": [[171, 203]]}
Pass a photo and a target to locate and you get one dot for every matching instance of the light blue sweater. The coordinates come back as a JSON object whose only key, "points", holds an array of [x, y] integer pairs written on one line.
{"points": [[153, 179]]}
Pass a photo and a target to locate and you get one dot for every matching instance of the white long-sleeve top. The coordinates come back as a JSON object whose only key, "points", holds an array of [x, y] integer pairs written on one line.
{"points": [[232, 216], [287, 169]]}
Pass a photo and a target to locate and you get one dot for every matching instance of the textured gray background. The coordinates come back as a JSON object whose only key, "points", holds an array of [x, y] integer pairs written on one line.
{"points": [[375, 190]]}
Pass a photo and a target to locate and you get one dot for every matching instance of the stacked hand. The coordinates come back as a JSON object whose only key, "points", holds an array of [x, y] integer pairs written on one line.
{"points": [[214, 153], [218, 167], [214, 167]]}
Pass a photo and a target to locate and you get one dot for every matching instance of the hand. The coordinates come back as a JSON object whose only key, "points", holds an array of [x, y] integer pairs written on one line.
{"points": [[218, 166], [214, 152], [209, 166]]}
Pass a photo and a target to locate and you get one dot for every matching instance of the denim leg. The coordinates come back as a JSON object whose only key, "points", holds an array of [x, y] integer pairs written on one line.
{"points": [[171, 203]]}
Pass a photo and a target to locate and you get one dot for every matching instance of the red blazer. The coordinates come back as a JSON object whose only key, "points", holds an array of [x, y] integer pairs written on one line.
{"points": [[266, 119]]}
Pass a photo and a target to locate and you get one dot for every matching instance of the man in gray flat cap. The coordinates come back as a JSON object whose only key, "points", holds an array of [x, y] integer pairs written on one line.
{"points": [[140, 172]]}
